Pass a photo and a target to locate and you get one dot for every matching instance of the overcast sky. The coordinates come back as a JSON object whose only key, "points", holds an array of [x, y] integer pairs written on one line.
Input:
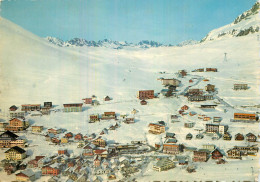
{"points": [[165, 21]]}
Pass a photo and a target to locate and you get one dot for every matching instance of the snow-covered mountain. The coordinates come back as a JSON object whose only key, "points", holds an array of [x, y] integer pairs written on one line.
{"points": [[244, 24], [79, 42]]}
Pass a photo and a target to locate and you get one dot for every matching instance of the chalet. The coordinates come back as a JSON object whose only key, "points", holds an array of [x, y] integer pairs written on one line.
{"points": [[9, 139], [143, 102], [155, 128], [35, 162], [74, 107], [63, 152], [47, 104], [17, 124], [211, 70], [101, 152], [173, 82], [171, 140], [49, 136], [129, 120], [15, 153], [245, 117], [55, 140], [68, 135], [172, 148], [55, 131], [250, 137], [52, 170], [189, 124], [27, 175], [99, 142], [195, 92], [200, 155], [227, 136], [208, 106], [31, 107], [108, 116], [182, 73], [87, 100], [78, 136], [88, 150], [17, 114], [163, 164], [189, 136], [145, 94], [217, 119], [10, 168], [97, 161], [247, 150], [240, 86], [216, 154], [206, 118], [210, 88], [64, 140], [239, 137], [198, 70], [234, 154], [169, 135], [111, 176], [190, 81], [93, 118], [37, 129], [13, 108], [182, 160], [107, 98], [185, 107]]}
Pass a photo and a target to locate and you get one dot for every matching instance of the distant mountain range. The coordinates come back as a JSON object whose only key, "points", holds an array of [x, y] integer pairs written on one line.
{"points": [[244, 24], [113, 44]]}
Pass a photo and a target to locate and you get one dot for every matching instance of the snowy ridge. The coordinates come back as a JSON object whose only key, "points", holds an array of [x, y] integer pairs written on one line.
{"points": [[244, 24]]}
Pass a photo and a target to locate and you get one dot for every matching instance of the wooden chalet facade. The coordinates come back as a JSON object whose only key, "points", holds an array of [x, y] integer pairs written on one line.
{"points": [[211, 70], [245, 116], [250, 137], [208, 106], [172, 149], [108, 116], [227, 136], [239, 137], [87, 100], [155, 128], [107, 98], [200, 156], [145, 94], [74, 107], [9, 139], [99, 142], [195, 91], [247, 150], [26, 175], [37, 129], [129, 120], [37, 162], [15, 154], [240, 86], [31, 107], [93, 118], [16, 124], [182, 73], [55, 131], [216, 154], [78, 136], [50, 170], [234, 154]]}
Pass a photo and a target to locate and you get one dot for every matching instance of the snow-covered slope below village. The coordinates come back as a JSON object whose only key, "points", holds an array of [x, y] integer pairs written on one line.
{"points": [[244, 24]]}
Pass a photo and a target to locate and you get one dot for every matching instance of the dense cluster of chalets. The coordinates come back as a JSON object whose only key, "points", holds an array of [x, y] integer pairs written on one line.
{"points": [[114, 160]]}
